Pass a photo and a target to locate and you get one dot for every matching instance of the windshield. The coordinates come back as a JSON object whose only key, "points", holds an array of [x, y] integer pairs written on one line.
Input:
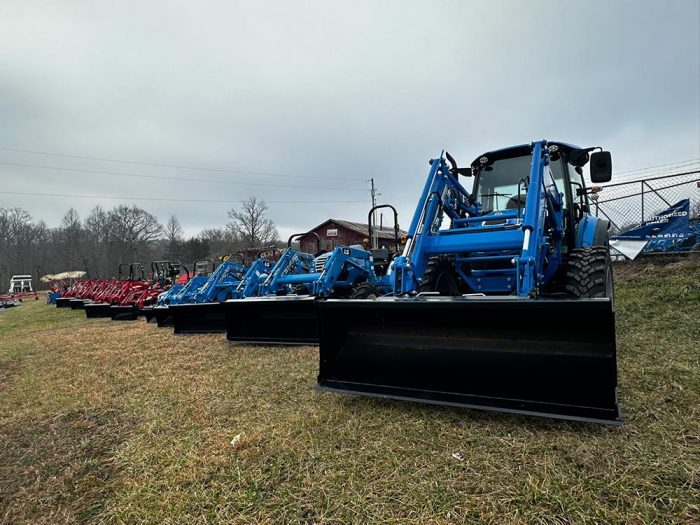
{"points": [[497, 184]]}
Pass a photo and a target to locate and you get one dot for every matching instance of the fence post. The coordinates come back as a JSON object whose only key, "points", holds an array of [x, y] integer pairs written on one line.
{"points": [[641, 188]]}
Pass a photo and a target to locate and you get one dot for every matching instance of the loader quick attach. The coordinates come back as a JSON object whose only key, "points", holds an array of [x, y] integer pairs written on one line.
{"points": [[508, 308]]}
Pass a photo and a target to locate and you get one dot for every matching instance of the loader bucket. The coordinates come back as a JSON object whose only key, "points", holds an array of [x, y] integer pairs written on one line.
{"points": [[544, 357], [95, 310], [124, 313], [77, 304], [287, 320], [148, 313], [198, 318], [163, 316], [63, 302]]}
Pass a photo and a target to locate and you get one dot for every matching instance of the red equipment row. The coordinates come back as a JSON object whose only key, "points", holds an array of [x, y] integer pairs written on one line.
{"points": [[116, 292]]}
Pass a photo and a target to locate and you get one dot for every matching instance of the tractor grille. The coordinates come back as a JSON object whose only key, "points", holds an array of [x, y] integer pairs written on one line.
{"points": [[320, 262]]}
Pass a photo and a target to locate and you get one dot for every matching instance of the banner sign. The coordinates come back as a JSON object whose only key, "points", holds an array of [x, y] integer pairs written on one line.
{"points": [[671, 223]]}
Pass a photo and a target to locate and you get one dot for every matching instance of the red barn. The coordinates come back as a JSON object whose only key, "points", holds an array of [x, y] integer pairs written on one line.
{"points": [[338, 232]]}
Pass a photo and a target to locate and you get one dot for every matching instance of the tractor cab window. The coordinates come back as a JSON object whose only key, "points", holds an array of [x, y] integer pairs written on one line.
{"points": [[496, 185]]}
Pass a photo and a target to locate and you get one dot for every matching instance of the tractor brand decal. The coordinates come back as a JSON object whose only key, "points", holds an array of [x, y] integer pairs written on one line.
{"points": [[346, 251], [671, 223]]}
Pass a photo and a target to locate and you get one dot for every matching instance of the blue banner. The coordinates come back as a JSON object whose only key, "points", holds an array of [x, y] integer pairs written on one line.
{"points": [[671, 223]]}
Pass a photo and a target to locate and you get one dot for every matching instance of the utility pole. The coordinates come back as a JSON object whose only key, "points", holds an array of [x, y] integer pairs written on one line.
{"points": [[374, 241]]}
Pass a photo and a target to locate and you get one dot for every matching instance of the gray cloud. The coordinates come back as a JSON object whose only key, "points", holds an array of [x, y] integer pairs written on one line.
{"points": [[335, 90]]}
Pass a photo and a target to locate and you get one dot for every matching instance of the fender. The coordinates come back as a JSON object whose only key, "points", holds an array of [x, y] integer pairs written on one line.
{"points": [[592, 231]]}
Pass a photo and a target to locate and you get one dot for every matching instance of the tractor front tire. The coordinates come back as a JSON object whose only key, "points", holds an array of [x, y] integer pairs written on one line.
{"points": [[589, 273], [440, 276], [364, 291]]}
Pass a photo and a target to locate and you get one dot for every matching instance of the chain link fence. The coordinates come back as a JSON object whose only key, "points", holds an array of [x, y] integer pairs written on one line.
{"points": [[627, 204]]}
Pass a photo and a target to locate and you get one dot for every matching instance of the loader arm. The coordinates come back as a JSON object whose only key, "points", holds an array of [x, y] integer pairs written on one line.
{"points": [[525, 238], [227, 272], [356, 262]]}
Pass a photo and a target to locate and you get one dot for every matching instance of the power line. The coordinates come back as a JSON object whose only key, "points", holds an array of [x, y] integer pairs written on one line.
{"points": [[183, 179], [651, 175], [175, 166], [689, 161], [657, 170], [163, 199]]}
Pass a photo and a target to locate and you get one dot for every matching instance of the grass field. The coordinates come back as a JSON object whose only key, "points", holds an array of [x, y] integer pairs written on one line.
{"points": [[107, 422]]}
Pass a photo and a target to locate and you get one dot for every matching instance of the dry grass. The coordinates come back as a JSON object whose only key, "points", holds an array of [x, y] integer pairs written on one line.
{"points": [[106, 422]]}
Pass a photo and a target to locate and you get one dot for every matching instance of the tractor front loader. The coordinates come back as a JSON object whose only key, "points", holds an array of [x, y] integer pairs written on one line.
{"points": [[249, 314], [285, 310], [202, 270], [130, 308], [507, 308], [203, 312], [116, 291], [178, 275]]}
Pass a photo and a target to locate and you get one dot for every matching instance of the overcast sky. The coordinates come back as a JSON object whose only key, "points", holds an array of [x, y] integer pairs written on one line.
{"points": [[326, 95]]}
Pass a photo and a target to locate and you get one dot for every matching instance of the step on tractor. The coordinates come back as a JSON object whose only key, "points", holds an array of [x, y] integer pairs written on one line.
{"points": [[117, 290], [202, 270], [203, 312], [284, 310], [502, 297], [163, 275]]}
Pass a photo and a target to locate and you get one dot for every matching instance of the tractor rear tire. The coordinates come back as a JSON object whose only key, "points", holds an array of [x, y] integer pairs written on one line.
{"points": [[364, 291], [589, 273], [440, 276]]}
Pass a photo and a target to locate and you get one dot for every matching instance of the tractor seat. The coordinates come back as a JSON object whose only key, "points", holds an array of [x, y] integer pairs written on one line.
{"points": [[515, 202]]}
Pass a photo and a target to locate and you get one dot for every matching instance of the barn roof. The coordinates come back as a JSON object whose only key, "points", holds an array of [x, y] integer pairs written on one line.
{"points": [[383, 233]]}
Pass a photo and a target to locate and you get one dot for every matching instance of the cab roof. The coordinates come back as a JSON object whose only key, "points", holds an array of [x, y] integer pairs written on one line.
{"points": [[518, 151]]}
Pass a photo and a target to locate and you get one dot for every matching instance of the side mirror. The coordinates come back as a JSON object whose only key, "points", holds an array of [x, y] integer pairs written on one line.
{"points": [[601, 166]]}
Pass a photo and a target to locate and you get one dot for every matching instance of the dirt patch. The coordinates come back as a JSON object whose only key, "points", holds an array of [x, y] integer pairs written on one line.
{"points": [[59, 469]]}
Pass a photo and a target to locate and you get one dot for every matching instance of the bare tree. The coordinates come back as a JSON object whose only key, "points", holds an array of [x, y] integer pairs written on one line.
{"points": [[173, 238], [135, 231], [250, 224], [221, 241]]}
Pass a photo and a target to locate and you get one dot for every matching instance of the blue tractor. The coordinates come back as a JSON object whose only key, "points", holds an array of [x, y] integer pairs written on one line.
{"points": [[201, 311], [172, 271], [202, 270], [502, 298], [283, 311]]}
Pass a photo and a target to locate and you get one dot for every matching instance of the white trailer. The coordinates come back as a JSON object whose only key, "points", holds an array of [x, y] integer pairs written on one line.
{"points": [[21, 283]]}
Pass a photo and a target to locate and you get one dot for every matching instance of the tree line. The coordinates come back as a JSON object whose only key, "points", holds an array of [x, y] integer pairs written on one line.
{"points": [[106, 238]]}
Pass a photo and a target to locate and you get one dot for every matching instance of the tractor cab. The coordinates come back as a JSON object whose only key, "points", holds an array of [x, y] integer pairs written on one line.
{"points": [[501, 180]]}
